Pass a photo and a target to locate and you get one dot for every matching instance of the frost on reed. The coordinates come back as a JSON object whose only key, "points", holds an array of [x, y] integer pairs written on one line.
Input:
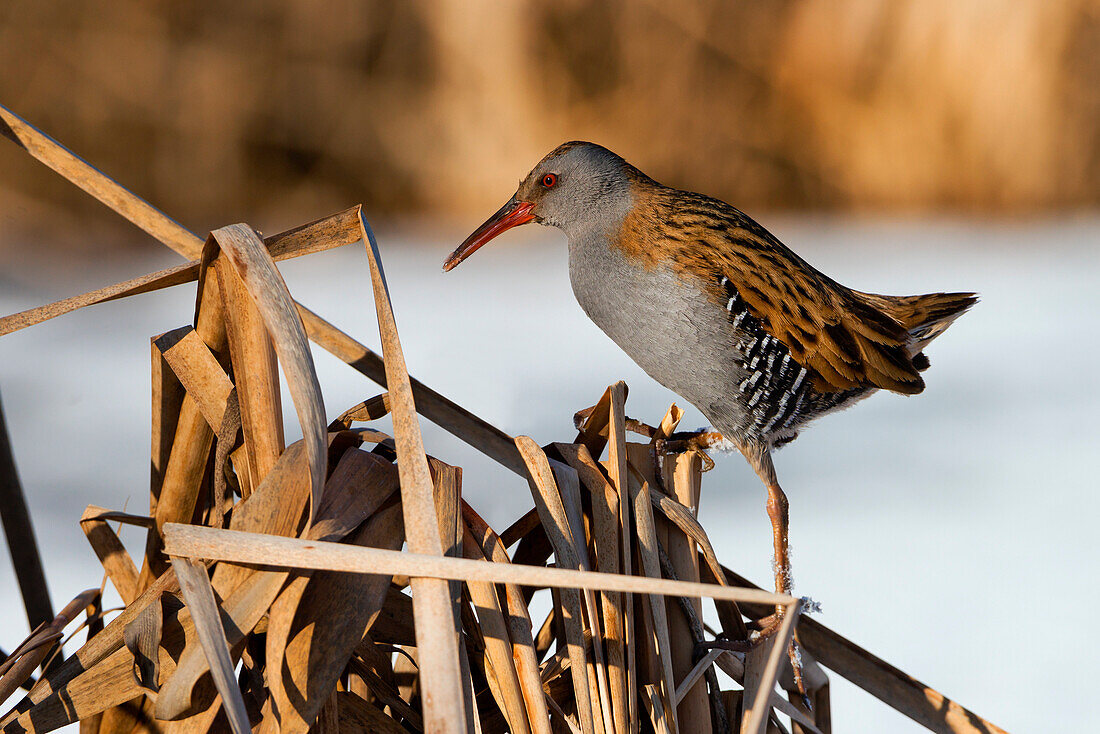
{"points": [[273, 594]]}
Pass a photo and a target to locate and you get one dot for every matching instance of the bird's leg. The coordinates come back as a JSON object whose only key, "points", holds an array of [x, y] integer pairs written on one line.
{"points": [[760, 459], [778, 512]]}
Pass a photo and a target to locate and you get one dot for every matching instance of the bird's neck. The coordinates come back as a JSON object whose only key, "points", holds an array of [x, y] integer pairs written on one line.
{"points": [[596, 267]]}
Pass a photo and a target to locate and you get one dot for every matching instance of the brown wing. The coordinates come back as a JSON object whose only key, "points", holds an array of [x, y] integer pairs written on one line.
{"points": [[844, 341]]}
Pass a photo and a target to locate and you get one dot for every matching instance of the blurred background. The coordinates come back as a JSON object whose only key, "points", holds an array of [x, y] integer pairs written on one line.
{"points": [[902, 146], [283, 110]]}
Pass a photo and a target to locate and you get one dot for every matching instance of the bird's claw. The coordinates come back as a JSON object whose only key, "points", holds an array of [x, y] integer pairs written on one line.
{"points": [[768, 628], [688, 441]]}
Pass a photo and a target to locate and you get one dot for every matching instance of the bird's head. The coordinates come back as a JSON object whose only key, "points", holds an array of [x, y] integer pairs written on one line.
{"points": [[577, 185]]}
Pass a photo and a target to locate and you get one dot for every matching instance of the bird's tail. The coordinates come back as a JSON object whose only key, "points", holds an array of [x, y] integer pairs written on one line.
{"points": [[925, 317]]}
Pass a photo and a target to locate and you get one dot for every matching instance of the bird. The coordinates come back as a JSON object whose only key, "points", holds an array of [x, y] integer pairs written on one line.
{"points": [[715, 308]]}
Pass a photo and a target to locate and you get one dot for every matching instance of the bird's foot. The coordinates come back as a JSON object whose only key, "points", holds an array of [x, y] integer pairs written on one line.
{"points": [[764, 631], [700, 441], [765, 627], [704, 439]]}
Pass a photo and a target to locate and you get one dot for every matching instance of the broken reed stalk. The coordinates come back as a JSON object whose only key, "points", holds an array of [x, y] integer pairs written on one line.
{"points": [[350, 650], [30, 654]]}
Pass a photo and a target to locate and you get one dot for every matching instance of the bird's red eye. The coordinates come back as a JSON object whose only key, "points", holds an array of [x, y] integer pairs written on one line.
{"points": [[549, 180]]}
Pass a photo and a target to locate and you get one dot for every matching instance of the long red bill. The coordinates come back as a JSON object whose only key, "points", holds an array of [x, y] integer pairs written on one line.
{"points": [[512, 214]]}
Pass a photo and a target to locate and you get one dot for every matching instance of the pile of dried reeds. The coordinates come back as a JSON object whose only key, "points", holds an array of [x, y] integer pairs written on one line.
{"points": [[273, 594]]}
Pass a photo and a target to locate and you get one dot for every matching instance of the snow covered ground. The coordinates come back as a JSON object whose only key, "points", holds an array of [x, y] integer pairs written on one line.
{"points": [[953, 533]]}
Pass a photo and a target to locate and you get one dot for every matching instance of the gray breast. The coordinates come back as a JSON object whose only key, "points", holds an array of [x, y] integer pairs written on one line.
{"points": [[719, 359]]}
